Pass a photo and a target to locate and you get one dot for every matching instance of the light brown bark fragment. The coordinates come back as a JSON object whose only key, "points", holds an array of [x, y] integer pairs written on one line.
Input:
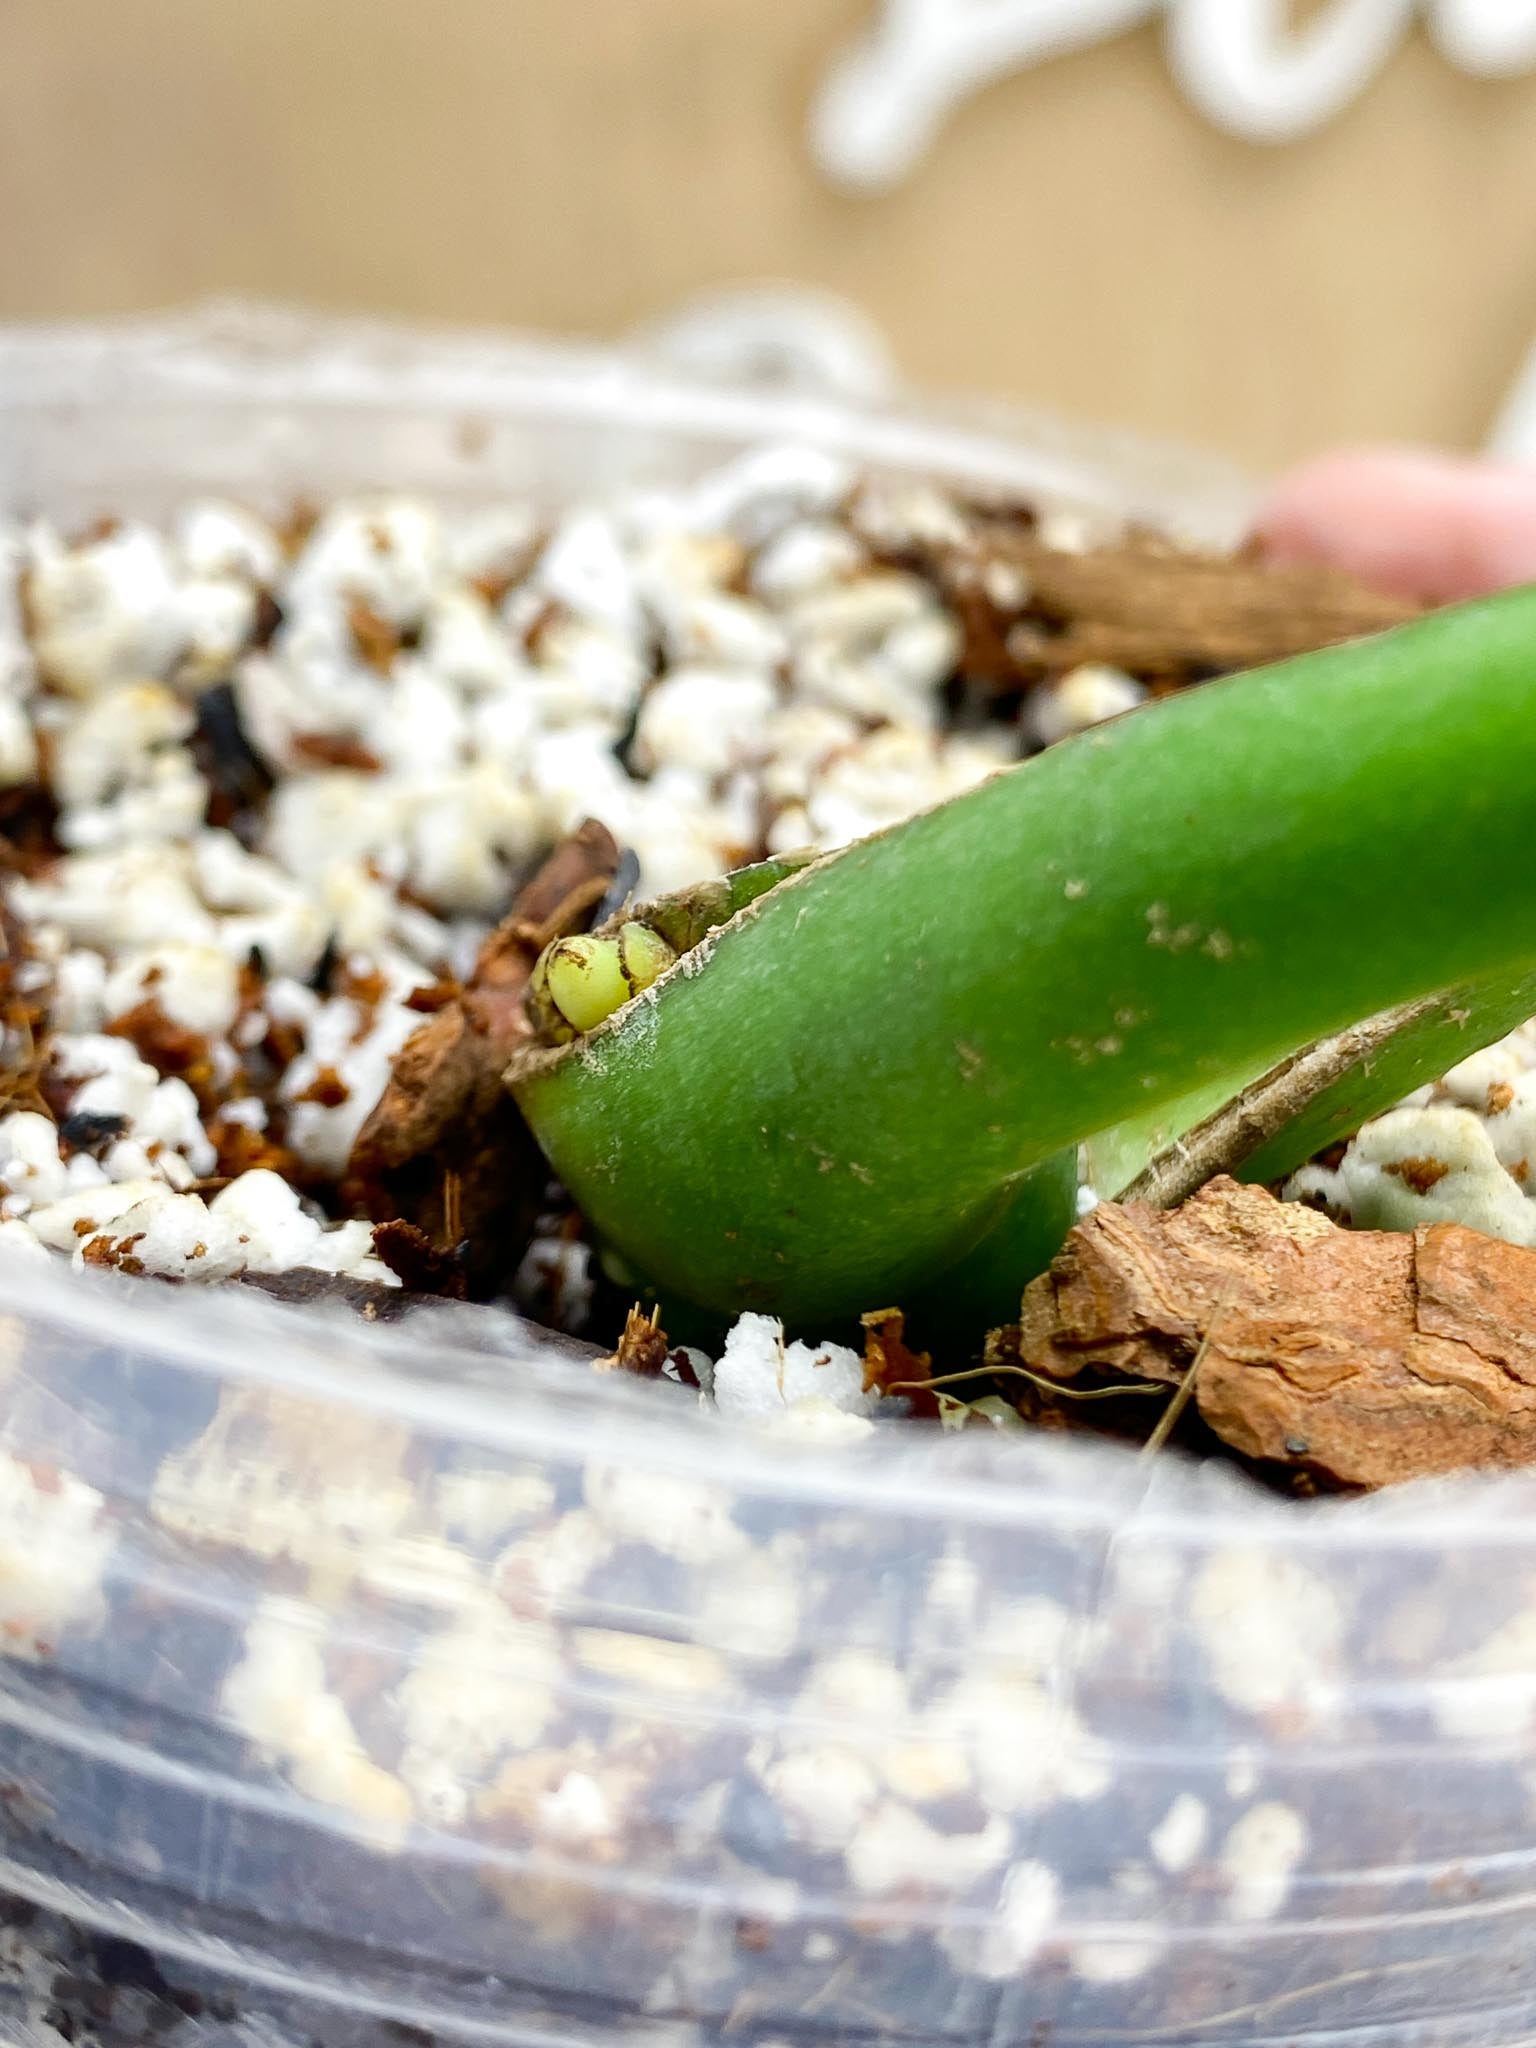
{"points": [[1152, 609], [1365, 1358]]}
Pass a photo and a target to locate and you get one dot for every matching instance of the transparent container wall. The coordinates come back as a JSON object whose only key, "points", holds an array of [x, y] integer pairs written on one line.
{"points": [[263, 404], [365, 1686]]}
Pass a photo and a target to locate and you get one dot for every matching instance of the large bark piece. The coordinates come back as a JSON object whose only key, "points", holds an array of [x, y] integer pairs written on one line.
{"points": [[1169, 614], [1364, 1358], [1154, 610]]}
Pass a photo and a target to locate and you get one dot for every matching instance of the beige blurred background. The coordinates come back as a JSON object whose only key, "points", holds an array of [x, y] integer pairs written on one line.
{"points": [[1077, 236]]}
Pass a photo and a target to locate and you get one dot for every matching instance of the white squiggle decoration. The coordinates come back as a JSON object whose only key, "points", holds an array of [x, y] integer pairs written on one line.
{"points": [[1489, 38], [1239, 61], [1242, 67], [884, 100]]}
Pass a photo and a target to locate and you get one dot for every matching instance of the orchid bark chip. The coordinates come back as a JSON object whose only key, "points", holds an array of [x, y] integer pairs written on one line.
{"points": [[1360, 1358]]}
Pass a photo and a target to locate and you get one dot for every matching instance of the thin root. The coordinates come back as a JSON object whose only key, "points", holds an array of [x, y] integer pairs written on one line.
{"points": [[1046, 1386]]}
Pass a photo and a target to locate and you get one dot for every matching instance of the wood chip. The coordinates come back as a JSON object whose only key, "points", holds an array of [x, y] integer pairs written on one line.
{"points": [[445, 1121], [416, 1262], [336, 750], [890, 1362], [643, 1349], [1361, 1358], [1166, 614], [376, 639], [170, 1048], [28, 815], [327, 1088], [1142, 606], [239, 780]]}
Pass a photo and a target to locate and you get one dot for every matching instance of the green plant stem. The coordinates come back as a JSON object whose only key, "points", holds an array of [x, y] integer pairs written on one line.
{"points": [[1462, 1022], [1235, 1127], [824, 1105], [981, 1290]]}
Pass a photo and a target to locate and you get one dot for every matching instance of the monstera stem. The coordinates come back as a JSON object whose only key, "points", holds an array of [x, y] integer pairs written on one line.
{"points": [[833, 1100]]}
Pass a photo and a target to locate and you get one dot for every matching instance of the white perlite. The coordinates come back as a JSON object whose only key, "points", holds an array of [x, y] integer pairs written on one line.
{"points": [[278, 1697], [1179, 1837], [1271, 1631], [54, 1544], [1462, 1150], [1024, 1916], [759, 1376], [747, 664], [895, 1848], [435, 697], [1259, 1859]]}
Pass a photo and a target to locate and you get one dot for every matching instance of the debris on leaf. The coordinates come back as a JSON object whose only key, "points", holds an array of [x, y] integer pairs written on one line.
{"points": [[1359, 1358]]}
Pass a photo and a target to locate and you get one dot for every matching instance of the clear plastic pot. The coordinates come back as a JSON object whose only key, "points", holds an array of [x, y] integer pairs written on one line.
{"points": [[363, 1685]]}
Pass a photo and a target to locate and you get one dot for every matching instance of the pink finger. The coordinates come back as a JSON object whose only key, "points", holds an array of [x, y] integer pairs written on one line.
{"points": [[1434, 527]]}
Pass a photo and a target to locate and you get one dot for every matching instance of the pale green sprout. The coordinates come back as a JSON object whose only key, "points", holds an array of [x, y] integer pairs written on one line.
{"points": [[579, 982]]}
